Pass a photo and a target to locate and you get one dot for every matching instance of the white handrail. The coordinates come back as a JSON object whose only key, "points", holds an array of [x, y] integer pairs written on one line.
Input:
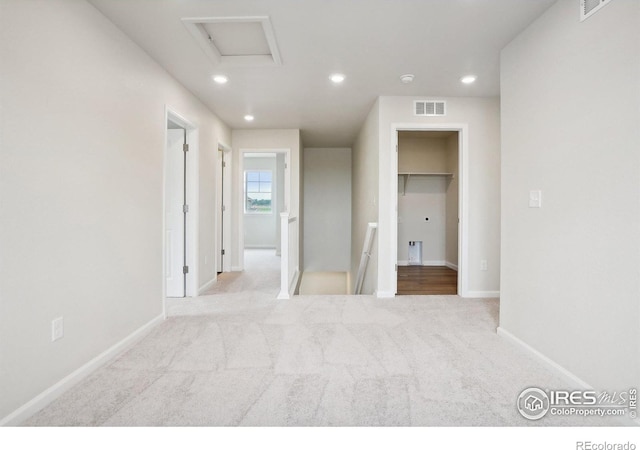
{"points": [[289, 267], [364, 258]]}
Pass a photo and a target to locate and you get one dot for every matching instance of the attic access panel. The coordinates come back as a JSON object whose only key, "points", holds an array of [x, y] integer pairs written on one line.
{"points": [[590, 7], [236, 40]]}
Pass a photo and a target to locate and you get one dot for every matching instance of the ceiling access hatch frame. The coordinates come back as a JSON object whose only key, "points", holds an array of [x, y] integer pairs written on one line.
{"points": [[197, 26]]}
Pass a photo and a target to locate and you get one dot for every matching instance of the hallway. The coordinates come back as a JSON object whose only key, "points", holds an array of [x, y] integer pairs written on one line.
{"points": [[260, 279]]}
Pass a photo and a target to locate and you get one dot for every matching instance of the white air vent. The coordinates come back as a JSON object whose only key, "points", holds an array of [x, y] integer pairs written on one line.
{"points": [[429, 108], [590, 7]]}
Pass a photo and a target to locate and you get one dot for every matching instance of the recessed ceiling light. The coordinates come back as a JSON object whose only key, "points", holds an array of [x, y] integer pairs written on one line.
{"points": [[468, 79], [407, 78], [337, 78], [248, 118], [220, 79]]}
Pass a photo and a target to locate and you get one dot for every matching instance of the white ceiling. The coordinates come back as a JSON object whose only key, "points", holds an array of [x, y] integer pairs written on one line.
{"points": [[372, 42]]}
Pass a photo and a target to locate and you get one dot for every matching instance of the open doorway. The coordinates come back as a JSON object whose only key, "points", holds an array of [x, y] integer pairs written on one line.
{"points": [[429, 230], [427, 213], [263, 201]]}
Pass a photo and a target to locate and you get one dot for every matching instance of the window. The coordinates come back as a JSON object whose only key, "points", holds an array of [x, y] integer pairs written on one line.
{"points": [[257, 191]]}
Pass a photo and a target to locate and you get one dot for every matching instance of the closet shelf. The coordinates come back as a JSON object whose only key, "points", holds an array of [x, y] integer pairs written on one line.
{"points": [[407, 175]]}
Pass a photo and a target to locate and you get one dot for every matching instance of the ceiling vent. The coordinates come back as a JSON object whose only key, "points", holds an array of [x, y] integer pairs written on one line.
{"points": [[240, 41], [590, 7], [429, 108]]}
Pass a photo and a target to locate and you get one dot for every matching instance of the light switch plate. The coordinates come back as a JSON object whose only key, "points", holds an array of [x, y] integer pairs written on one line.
{"points": [[535, 199], [57, 329]]}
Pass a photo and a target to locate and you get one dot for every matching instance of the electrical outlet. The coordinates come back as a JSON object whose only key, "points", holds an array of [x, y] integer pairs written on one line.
{"points": [[57, 329], [483, 264]]}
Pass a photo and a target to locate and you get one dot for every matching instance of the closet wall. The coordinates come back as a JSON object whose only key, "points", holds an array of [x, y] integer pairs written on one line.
{"points": [[428, 196]]}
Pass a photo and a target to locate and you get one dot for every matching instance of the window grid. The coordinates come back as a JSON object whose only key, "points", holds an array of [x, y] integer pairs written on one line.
{"points": [[258, 187]]}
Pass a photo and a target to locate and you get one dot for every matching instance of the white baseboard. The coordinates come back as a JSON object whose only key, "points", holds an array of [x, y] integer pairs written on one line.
{"points": [[292, 287], [568, 376], [480, 294], [205, 287], [43, 399], [236, 269], [385, 294], [451, 265], [573, 380], [424, 263]]}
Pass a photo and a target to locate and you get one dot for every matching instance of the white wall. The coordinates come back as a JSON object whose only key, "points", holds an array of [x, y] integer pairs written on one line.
{"points": [[364, 196], [261, 140], [422, 154], [260, 229], [425, 197], [81, 181], [327, 209], [570, 273], [482, 117]]}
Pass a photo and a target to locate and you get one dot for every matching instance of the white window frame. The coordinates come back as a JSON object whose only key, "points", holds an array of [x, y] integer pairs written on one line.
{"points": [[246, 192]]}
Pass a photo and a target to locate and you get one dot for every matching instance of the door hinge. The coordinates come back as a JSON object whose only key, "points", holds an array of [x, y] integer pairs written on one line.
{"points": [[222, 252], [224, 164], [224, 208], [396, 148], [185, 208], [185, 147], [185, 269], [285, 165], [396, 267]]}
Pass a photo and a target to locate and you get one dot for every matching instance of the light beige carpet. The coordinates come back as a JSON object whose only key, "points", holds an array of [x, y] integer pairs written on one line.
{"points": [[248, 359]]}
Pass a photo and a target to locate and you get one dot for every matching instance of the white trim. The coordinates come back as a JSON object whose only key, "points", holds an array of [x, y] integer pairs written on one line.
{"points": [[47, 396], [431, 263], [575, 381], [261, 247], [287, 287], [372, 227], [424, 263], [193, 25], [236, 269], [385, 294], [481, 294], [294, 282], [551, 364], [451, 265], [205, 287], [463, 198]]}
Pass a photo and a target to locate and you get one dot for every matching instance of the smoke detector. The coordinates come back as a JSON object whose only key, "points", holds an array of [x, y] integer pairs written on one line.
{"points": [[407, 78]]}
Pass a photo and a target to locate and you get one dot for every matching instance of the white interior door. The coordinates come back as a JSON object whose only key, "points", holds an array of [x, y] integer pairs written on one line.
{"points": [[220, 206], [174, 215]]}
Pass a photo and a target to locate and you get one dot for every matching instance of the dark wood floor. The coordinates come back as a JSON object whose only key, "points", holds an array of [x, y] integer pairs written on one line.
{"points": [[427, 280]]}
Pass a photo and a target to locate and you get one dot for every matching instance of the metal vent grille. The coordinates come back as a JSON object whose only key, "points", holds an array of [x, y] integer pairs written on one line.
{"points": [[429, 108], [590, 7]]}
